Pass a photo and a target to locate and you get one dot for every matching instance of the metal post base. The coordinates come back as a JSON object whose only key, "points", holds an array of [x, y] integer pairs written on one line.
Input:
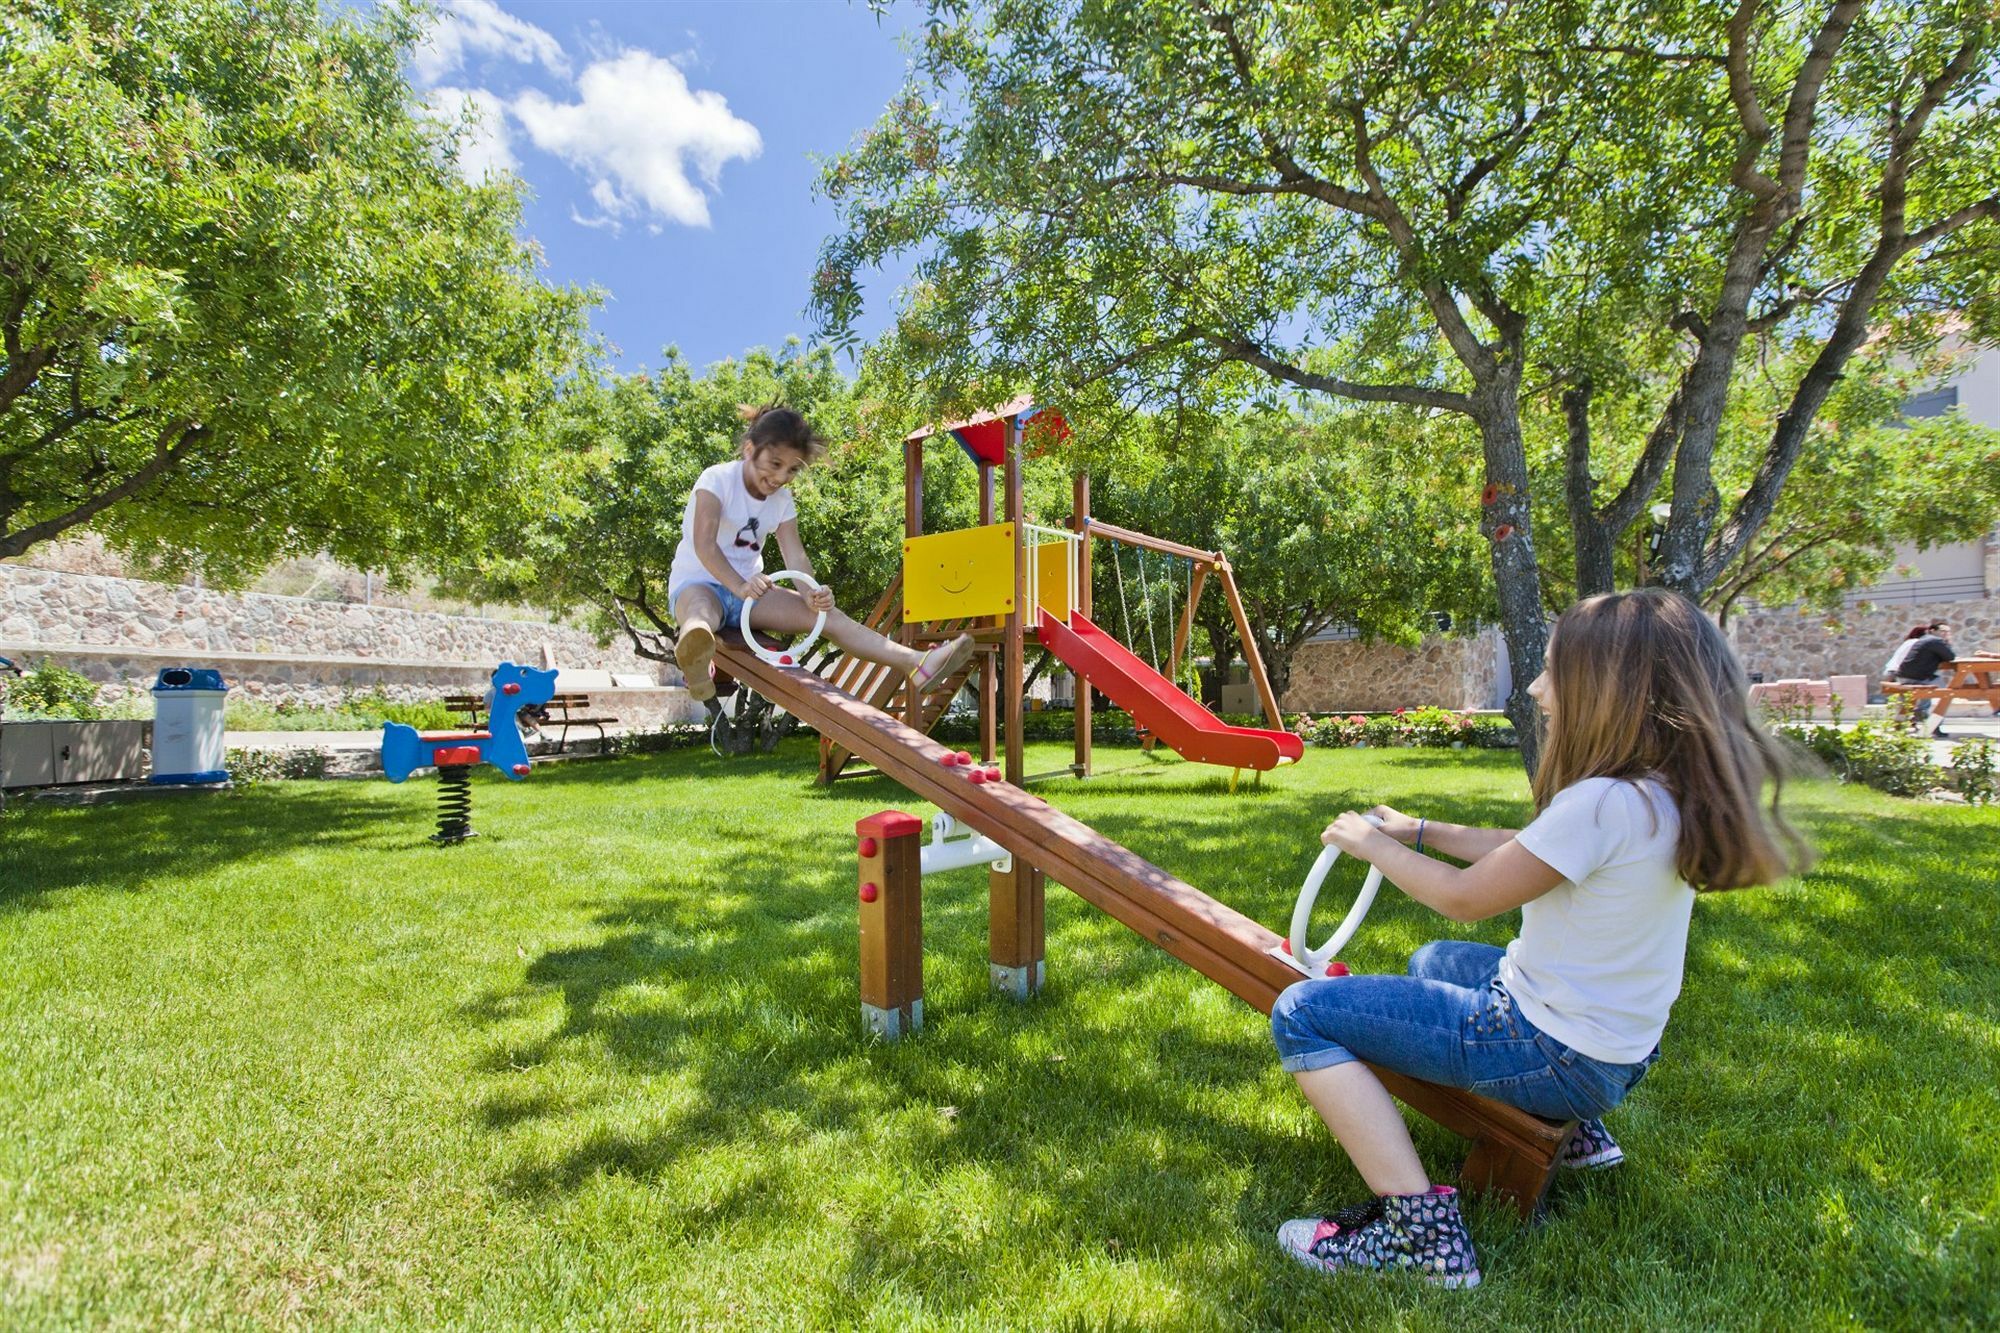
{"points": [[1017, 983], [889, 1024]]}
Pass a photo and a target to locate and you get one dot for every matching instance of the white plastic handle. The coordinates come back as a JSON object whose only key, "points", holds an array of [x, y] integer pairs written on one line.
{"points": [[797, 651], [1315, 960]]}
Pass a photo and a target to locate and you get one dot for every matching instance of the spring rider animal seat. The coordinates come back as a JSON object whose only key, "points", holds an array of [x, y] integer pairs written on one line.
{"points": [[454, 753]]}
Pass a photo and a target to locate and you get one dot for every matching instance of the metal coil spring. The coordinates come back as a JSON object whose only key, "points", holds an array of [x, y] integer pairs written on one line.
{"points": [[454, 822]]}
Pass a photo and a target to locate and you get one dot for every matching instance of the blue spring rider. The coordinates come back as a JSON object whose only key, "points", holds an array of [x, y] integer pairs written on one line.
{"points": [[455, 753]]}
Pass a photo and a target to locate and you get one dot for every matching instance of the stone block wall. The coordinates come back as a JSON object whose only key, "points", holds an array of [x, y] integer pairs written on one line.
{"points": [[120, 632], [1448, 671], [1787, 643]]}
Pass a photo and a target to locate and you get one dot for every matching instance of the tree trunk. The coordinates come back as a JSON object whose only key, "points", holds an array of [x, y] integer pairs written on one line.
{"points": [[1595, 571], [1517, 574]]}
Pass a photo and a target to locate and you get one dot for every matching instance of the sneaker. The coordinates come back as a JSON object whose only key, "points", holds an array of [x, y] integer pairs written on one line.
{"points": [[1938, 735], [693, 651], [1418, 1233], [943, 662], [1591, 1148]]}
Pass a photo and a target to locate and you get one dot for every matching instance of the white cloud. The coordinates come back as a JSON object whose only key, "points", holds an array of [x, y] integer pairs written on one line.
{"points": [[638, 131], [484, 146], [481, 27]]}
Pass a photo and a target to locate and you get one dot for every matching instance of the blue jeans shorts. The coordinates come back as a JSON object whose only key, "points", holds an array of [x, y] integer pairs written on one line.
{"points": [[732, 605], [1449, 1021]]}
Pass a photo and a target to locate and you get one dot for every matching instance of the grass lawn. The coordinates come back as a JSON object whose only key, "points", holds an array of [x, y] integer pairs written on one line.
{"points": [[269, 1058]]}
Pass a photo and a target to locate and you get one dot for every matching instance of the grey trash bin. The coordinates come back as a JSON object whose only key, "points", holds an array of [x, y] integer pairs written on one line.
{"points": [[187, 726]]}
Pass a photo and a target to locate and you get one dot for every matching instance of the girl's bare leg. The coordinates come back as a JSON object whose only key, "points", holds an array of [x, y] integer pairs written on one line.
{"points": [[1357, 1108], [786, 612]]}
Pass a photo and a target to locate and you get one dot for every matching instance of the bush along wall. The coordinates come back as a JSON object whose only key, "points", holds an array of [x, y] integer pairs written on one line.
{"points": [[1425, 728]]}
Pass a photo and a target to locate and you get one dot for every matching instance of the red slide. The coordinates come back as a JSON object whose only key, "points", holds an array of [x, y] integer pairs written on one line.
{"points": [[1155, 704]]}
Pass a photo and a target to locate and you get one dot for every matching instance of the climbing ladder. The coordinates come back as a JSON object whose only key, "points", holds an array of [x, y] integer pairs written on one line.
{"points": [[880, 686]]}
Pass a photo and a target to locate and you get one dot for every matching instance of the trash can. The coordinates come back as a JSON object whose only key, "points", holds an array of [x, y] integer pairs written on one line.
{"points": [[187, 726]]}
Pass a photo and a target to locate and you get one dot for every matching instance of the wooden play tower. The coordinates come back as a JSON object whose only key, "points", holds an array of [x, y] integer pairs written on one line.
{"points": [[998, 442]]}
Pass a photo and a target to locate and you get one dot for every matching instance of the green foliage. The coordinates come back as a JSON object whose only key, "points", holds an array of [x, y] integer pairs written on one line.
{"points": [[631, 448], [1872, 481], [1974, 773], [1884, 755], [1582, 228], [49, 691], [247, 767], [1349, 518], [365, 710], [250, 308], [1428, 727]]}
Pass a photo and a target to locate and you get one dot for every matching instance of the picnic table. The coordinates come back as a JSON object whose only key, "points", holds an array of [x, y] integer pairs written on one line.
{"points": [[1964, 677]]}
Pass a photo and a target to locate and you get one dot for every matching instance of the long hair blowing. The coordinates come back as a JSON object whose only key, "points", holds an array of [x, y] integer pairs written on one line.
{"points": [[1642, 684]]}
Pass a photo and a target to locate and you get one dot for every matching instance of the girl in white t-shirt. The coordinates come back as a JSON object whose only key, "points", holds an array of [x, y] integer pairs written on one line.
{"points": [[734, 509], [1648, 791]]}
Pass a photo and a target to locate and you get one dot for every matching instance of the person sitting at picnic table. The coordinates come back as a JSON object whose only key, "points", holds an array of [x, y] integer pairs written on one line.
{"points": [[1920, 667], [1903, 650]]}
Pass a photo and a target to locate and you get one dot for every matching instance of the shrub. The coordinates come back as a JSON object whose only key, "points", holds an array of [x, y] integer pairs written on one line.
{"points": [[52, 691], [247, 767], [1382, 732], [1887, 758], [1436, 727], [1973, 773]]}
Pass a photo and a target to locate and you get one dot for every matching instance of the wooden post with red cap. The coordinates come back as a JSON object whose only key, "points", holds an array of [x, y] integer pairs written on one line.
{"points": [[892, 922]]}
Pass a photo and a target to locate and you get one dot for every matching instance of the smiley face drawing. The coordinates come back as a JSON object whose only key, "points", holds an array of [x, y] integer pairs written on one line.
{"points": [[955, 575]]}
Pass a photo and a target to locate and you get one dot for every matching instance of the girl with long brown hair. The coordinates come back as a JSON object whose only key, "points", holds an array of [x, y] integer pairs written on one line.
{"points": [[1651, 788]]}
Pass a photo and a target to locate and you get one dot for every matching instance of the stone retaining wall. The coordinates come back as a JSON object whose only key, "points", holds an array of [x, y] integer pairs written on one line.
{"points": [[1356, 677], [120, 632], [1788, 644]]}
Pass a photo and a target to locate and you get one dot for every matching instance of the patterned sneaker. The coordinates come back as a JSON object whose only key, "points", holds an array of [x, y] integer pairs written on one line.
{"points": [[1591, 1148], [1419, 1233], [942, 662], [692, 651]]}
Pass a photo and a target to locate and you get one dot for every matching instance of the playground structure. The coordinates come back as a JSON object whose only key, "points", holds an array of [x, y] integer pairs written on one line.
{"points": [[1002, 582], [1024, 841], [456, 753]]}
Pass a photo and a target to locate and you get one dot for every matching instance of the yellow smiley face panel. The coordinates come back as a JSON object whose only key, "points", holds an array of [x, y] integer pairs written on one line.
{"points": [[956, 575]]}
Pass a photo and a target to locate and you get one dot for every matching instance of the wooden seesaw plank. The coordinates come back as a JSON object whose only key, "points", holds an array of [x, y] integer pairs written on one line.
{"points": [[1513, 1152]]}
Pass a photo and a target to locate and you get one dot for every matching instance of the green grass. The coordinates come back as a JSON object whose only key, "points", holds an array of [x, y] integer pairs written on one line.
{"points": [[269, 1058]]}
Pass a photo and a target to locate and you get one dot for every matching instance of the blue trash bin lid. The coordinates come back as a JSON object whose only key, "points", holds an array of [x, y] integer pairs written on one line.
{"points": [[172, 680]]}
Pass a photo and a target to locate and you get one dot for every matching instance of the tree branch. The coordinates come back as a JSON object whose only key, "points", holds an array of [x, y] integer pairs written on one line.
{"points": [[1410, 395], [173, 444], [1749, 111]]}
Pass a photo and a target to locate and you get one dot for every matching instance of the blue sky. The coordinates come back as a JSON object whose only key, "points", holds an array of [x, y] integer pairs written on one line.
{"points": [[668, 146]]}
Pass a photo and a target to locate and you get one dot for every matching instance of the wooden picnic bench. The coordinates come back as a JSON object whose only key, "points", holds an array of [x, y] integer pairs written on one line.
{"points": [[573, 710], [562, 710], [472, 707], [1965, 678]]}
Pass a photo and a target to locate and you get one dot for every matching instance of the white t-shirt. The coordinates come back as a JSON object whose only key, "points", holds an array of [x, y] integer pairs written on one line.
{"points": [[1896, 658], [1598, 963], [746, 523]]}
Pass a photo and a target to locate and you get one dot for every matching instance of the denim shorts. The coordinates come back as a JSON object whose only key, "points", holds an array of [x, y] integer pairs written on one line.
{"points": [[732, 605], [1449, 1021]]}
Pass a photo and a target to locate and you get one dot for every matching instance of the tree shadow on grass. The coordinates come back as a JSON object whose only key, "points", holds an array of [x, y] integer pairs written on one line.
{"points": [[1118, 1092], [134, 845]]}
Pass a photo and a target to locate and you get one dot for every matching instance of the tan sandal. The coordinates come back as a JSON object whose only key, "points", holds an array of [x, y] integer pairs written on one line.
{"points": [[943, 662], [693, 652]]}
